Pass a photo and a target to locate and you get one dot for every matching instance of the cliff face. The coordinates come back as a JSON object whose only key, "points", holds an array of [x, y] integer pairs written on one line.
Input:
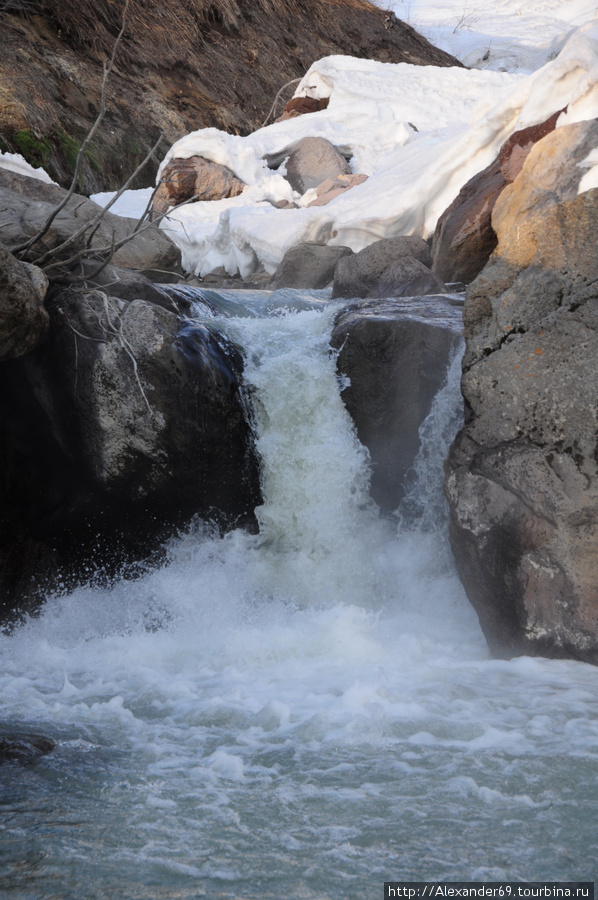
{"points": [[522, 476], [180, 66]]}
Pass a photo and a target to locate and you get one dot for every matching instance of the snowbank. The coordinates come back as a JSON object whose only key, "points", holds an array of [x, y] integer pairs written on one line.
{"points": [[13, 162], [419, 133], [504, 35]]}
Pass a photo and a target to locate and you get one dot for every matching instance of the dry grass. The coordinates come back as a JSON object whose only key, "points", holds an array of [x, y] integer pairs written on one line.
{"points": [[176, 26]]}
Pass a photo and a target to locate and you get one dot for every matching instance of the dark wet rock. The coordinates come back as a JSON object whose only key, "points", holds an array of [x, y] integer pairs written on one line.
{"points": [[312, 161], [308, 265], [357, 275], [23, 318], [522, 477], [396, 355], [407, 277], [126, 423], [26, 204], [22, 747]]}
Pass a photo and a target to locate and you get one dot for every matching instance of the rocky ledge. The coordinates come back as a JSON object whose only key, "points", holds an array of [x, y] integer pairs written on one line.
{"points": [[522, 477]]}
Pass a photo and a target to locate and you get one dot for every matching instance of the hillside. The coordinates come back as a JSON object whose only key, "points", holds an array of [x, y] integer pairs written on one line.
{"points": [[183, 65]]}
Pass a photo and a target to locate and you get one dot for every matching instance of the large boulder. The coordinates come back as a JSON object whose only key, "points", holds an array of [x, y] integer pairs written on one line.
{"points": [[522, 477], [464, 237], [407, 277], [312, 161], [357, 275], [308, 265], [121, 427], [23, 318], [183, 179], [25, 207], [395, 355]]}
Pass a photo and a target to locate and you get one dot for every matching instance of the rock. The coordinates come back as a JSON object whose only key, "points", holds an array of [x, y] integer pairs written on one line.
{"points": [[127, 284], [407, 277], [23, 318], [308, 265], [126, 423], [522, 477], [312, 161], [332, 188], [515, 150], [357, 275], [182, 179], [464, 237], [395, 355], [22, 747], [26, 204], [299, 106]]}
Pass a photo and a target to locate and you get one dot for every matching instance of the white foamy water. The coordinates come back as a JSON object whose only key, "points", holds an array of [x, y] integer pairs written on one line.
{"points": [[302, 713]]}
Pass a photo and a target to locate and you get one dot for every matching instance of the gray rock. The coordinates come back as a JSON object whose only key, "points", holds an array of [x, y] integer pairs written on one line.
{"points": [[522, 477], [357, 275], [396, 356], [23, 317], [312, 161], [407, 277], [26, 204], [308, 265]]}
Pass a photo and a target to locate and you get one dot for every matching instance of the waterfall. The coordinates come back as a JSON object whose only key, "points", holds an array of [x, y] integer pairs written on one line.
{"points": [[303, 712]]}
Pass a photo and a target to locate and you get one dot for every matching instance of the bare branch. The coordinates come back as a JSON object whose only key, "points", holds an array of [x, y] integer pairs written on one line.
{"points": [[97, 220], [273, 107], [99, 252]]}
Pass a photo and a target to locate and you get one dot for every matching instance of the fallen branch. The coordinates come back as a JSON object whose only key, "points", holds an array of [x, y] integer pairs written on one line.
{"points": [[97, 221], [276, 99]]}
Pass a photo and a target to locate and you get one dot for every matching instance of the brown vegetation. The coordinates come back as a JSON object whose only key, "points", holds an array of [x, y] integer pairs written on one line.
{"points": [[182, 65]]}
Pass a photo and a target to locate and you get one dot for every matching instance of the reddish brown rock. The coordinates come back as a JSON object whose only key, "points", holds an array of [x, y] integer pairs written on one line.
{"points": [[514, 152], [299, 106], [334, 187], [464, 237], [183, 179]]}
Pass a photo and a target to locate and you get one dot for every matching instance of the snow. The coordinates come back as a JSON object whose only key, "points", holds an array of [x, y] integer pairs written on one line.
{"points": [[418, 132], [13, 162], [504, 35]]}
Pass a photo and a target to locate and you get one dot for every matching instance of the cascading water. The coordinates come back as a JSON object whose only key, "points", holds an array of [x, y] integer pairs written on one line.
{"points": [[302, 713]]}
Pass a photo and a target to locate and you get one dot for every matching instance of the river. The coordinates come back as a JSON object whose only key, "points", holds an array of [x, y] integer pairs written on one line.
{"points": [[305, 712]]}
